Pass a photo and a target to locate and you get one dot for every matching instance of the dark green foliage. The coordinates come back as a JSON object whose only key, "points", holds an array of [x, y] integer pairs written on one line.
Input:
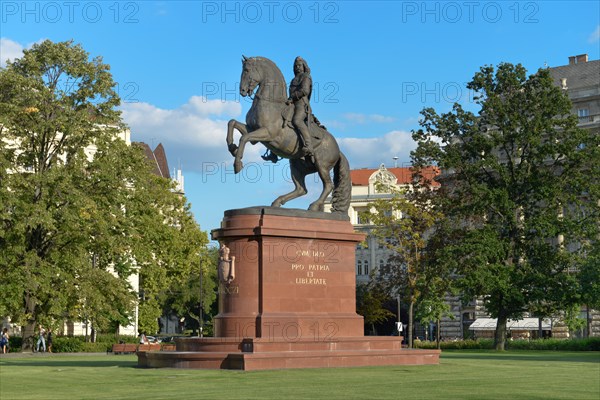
{"points": [[481, 344], [184, 297], [589, 344], [80, 210], [15, 343], [370, 298], [78, 344], [405, 223], [520, 191]]}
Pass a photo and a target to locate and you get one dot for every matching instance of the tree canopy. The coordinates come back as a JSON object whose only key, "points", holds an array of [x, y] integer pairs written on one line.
{"points": [[520, 190], [80, 210], [403, 223]]}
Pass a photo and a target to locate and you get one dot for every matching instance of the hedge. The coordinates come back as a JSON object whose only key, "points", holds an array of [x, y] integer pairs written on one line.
{"points": [[589, 344], [75, 344]]}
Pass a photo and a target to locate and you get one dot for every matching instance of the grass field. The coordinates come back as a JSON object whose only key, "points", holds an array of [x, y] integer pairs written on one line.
{"points": [[460, 375]]}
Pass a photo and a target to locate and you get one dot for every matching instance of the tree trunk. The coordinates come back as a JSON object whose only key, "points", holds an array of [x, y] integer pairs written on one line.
{"points": [[500, 334], [410, 324], [588, 321], [29, 329]]}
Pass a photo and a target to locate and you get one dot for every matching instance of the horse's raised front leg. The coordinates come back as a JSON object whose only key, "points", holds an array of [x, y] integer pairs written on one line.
{"points": [[234, 124], [319, 204], [299, 172], [259, 135]]}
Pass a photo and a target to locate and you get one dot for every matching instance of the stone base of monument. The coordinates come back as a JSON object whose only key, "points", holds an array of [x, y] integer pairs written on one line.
{"points": [[292, 301], [256, 354]]}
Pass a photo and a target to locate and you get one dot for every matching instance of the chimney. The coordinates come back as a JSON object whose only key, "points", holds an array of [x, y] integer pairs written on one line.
{"points": [[582, 58]]}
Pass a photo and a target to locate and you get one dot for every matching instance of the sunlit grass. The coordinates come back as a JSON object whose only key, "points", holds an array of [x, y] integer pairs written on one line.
{"points": [[460, 375]]}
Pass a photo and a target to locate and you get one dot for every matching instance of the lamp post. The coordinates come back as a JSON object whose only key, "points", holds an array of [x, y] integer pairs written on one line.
{"points": [[201, 328], [399, 323]]}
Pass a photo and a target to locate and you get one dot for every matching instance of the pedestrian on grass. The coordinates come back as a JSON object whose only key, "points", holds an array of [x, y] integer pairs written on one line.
{"points": [[4, 341], [41, 339], [49, 340]]}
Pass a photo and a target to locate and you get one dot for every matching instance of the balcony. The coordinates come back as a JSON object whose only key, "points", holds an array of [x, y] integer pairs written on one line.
{"points": [[589, 119]]}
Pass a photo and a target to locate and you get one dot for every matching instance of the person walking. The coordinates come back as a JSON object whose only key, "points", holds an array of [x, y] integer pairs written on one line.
{"points": [[41, 339], [4, 341], [49, 340]]}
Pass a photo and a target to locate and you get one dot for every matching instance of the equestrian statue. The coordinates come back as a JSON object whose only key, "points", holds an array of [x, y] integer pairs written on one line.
{"points": [[286, 126]]}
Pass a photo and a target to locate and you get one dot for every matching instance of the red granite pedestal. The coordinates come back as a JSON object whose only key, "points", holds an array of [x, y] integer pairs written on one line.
{"points": [[292, 302]]}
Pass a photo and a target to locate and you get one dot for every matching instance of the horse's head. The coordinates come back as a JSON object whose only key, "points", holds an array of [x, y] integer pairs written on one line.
{"points": [[250, 76]]}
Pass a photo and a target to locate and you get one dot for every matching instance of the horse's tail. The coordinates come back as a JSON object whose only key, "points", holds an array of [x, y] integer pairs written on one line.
{"points": [[342, 186]]}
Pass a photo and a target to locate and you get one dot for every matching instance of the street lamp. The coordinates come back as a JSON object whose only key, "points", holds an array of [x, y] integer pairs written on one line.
{"points": [[201, 311]]}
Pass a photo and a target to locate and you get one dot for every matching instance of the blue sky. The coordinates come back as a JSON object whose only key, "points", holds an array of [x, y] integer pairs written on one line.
{"points": [[374, 64]]}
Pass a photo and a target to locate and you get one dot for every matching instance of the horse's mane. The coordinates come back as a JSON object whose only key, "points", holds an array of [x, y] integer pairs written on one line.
{"points": [[277, 75], [272, 65]]}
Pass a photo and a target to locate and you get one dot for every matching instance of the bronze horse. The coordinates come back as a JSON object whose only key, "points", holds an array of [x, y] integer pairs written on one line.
{"points": [[265, 123]]}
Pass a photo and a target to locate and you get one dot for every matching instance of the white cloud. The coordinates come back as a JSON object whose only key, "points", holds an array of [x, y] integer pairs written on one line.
{"points": [[595, 36], [9, 50], [193, 134], [202, 106], [372, 152]]}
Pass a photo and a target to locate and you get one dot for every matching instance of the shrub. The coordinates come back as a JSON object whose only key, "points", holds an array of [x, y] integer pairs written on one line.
{"points": [[458, 344], [67, 344], [589, 344], [15, 343], [77, 344]]}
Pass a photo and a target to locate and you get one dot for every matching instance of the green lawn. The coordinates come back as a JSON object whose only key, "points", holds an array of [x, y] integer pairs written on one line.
{"points": [[460, 375]]}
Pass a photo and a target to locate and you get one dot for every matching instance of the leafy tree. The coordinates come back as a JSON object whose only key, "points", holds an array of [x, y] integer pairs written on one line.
{"points": [[80, 211], [185, 298], [519, 191], [370, 298], [166, 245], [402, 223], [589, 277]]}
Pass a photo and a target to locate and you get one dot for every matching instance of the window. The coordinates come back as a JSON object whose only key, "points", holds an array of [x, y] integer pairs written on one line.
{"points": [[359, 268], [366, 267], [583, 112], [380, 265]]}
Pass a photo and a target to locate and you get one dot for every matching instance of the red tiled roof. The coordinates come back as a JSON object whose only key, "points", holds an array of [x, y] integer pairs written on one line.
{"points": [[360, 177]]}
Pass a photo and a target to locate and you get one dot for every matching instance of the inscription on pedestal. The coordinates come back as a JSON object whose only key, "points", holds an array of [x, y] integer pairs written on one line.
{"points": [[307, 270]]}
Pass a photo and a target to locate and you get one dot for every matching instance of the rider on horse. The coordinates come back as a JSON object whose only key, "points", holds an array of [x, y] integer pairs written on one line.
{"points": [[300, 91]]}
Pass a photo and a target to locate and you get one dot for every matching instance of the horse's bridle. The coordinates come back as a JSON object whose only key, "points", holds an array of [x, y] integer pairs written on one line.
{"points": [[252, 80]]}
